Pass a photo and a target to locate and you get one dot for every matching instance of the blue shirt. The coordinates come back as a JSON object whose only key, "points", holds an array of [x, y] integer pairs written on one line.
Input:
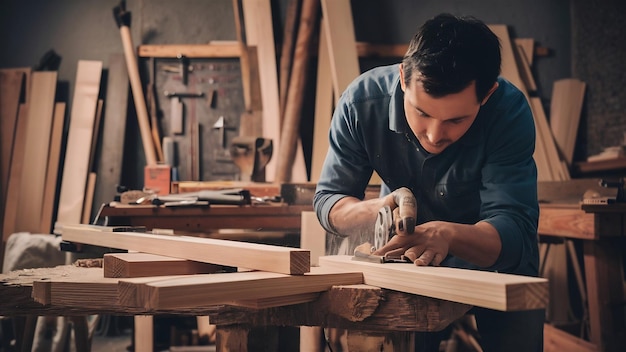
{"points": [[489, 174]]}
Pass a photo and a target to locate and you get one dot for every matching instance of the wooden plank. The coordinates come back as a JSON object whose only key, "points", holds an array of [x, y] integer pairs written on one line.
{"points": [[52, 170], [549, 166], [312, 236], [214, 50], [15, 175], [39, 123], [339, 29], [565, 110], [80, 134], [286, 170], [570, 222], [528, 46], [210, 289], [556, 340], [323, 108], [127, 265], [231, 253], [111, 153], [524, 68], [11, 83], [381, 50], [503, 292], [259, 32]]}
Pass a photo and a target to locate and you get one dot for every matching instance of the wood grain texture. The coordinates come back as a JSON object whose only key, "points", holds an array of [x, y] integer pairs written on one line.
{"points": [[128, 265], [565, 110], [11, 82], [211, 289], [217, 49], [223, 252], [80, 134], [567, 221], [111, 153], [394, 311], [480, 288], [52, 170], [15, 174]]}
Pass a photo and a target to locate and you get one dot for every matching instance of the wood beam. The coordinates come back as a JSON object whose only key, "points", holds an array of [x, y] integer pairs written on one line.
{"points": [[223, 252], [210, 289], [213, 50], [127, 265], [503, 292]]}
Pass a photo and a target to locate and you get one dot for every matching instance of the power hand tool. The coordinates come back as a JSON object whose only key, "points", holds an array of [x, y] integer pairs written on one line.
{"points": [[385, 228]]}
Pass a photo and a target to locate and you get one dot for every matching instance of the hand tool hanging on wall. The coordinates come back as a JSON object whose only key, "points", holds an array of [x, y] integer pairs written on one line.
{"points": [[178, 109], [122, 18]]}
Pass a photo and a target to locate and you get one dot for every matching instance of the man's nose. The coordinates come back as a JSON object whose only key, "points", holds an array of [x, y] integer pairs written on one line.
{"points": [[435, 133]]}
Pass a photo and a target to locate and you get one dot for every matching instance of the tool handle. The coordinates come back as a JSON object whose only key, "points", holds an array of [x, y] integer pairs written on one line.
{"points": [[407, 209]]}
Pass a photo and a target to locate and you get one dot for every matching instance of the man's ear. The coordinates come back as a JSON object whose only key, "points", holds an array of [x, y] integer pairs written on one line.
{"points": [[402, 77], [493, 89]]}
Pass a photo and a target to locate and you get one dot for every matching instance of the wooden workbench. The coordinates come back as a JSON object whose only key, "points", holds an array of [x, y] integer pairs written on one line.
{"points": [[602, 230], [378, 310], [279, 217]]}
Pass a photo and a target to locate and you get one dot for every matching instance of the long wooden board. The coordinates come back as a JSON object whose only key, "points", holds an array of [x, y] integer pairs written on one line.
{"points": [[11, 82], [503, 292], [209, 289], [223, 252], [82, 117], [52, 170], [15, 179], [39, 123]]}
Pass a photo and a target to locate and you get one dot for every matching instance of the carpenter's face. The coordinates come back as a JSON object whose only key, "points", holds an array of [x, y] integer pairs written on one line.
{"points": [[439, 122]]}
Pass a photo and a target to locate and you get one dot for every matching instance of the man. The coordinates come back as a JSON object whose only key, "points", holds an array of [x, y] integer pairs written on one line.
{"points": [[445, 129]]}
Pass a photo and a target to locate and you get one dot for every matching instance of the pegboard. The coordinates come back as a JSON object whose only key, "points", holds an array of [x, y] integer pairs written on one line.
{"points": [[209, 122]]}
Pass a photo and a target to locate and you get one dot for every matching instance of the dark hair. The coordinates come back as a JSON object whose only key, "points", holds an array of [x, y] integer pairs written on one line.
{"points": [[449, 52]]}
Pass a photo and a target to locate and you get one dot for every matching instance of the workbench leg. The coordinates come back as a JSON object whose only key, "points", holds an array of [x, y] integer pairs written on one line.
{"points": [[235, 338], [605, 292], [144, 333], [380, 341]]}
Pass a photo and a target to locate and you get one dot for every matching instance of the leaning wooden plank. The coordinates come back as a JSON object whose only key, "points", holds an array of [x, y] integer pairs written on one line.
{"points": [[39, 123], [545, 133], [82, 117], [565, 108], [129, 265], [340, 37], [260, 33], [210, 289], [528, 46], [110, 156], [15, 175], [503, 292], [11, 82], [556, 340], [52, 171], [231, 253]]}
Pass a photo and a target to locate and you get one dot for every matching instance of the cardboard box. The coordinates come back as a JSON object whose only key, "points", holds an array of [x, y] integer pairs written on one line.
{"points": [[157, 178]]}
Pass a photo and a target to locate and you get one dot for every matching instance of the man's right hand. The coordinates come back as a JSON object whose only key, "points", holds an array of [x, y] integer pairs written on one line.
{"points": [[404, 210]]}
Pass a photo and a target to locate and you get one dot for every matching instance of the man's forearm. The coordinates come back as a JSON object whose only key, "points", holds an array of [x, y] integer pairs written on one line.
{"points": [[351, 216]]}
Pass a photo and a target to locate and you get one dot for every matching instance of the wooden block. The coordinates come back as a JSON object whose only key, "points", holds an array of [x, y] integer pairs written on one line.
{"points": [[210, 289], [230, 253], [127, 265], [503, 292]]}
